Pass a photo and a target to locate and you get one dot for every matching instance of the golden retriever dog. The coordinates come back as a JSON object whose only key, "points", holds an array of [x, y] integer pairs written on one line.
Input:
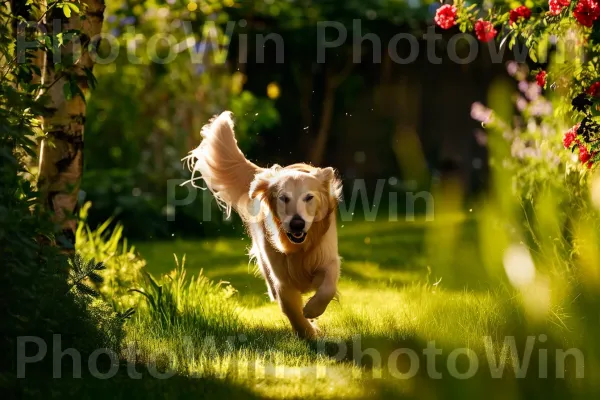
{"points": [[290, 215]]}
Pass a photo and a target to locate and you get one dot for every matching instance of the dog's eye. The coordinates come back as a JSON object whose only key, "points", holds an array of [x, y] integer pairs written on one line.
{"points": [[283, 198], [309, 197]]}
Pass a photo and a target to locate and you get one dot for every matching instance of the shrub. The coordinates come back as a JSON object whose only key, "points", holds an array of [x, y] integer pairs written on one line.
{"points": [[123, 266], [564, 35]]}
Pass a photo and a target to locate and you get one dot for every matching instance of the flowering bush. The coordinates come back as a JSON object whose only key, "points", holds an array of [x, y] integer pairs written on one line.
{"points": [[535, 154], [571, 31]]}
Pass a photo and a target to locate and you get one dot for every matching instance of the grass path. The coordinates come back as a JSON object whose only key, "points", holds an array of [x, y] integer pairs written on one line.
{"points": [[390, 300]]}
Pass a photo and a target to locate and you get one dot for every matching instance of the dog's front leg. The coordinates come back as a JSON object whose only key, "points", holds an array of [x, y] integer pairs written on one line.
{"points": [[325, 281], [290, 301]]}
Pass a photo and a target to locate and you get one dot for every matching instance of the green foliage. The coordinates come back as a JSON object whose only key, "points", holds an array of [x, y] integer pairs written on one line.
{"points": [[35, 278], [146, 115], [254, 116], [171, 301], [175, 301], [540, 187], [121, 265], [81, 271]]}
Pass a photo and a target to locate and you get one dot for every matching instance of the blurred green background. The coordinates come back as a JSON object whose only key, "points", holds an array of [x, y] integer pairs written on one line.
{"points": [[371, 118]]}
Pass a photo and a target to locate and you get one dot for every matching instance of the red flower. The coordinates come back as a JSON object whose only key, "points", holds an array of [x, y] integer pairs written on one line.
{"points": [[590, 164], [556, 6], [518, 13], [540, 78], [484, 30], [445, 16], [586, 12], [594, 89], [584, 154], [570, 137]]}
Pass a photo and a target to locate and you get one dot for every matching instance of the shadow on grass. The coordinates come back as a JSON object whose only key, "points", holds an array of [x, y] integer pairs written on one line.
{"points": [[390, 367], [398, 368], [123, 386], [401, 376]]}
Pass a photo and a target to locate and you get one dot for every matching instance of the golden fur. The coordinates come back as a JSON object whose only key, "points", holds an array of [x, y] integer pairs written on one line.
{"points": [[267, 199]]}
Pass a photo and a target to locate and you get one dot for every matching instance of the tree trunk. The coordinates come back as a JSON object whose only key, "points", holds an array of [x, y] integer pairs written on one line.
{"points": [[332, 82], [61, 154], [318, 149]]}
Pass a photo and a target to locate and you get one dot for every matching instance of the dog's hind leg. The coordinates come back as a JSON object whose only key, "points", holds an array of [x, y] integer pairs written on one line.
{"points": [[290, 301], [266, 273]]}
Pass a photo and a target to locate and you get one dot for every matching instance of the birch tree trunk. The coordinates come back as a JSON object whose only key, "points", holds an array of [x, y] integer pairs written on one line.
{"points": [[61, 153]]}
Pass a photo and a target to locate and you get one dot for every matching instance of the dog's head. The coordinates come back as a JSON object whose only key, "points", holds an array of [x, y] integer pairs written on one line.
{"points": [[300, 198]]}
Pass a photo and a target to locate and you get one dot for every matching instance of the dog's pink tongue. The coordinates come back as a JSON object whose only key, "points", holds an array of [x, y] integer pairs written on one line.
{"points": [[297, 235]]}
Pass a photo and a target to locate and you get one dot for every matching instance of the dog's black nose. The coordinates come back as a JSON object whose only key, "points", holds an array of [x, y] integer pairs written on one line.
{"points": [[297, 223]]}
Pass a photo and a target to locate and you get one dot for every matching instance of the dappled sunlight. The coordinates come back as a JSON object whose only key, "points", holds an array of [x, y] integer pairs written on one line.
{"points": [[414, 312], [391, 296], [519, 266], [366, 273]]}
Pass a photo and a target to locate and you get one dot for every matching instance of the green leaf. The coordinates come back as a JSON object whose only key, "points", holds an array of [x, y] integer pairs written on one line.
{"points": [[94, 277], [533, 56], [84, 289], [126, 315], [76, 90], [48, 42], [91, 79], [74, 7], [67, 90], [67, 11]]}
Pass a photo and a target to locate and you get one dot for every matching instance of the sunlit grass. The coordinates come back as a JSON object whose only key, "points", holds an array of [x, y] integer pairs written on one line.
{"points": [[391, 298]]}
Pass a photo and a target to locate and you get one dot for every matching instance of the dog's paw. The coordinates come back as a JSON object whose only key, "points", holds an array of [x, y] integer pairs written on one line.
{"points": [[314, 308], [315, 332], [309, 332]]}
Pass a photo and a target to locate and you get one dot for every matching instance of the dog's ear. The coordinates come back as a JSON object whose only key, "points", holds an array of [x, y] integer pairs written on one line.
{"points": [[258, 187], [332, 184], [324, 174], [262, 182]]}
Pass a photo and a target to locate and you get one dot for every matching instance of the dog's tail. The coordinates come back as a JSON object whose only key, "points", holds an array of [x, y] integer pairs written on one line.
{"points": [[222, 166]]}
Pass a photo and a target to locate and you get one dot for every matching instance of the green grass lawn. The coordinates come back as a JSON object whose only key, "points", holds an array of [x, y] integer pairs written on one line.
{"points": [[372, 257], [403, 285]]}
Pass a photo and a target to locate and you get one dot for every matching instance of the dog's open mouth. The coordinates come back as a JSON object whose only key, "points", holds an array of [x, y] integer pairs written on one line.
{"points": [[296, 237]]}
